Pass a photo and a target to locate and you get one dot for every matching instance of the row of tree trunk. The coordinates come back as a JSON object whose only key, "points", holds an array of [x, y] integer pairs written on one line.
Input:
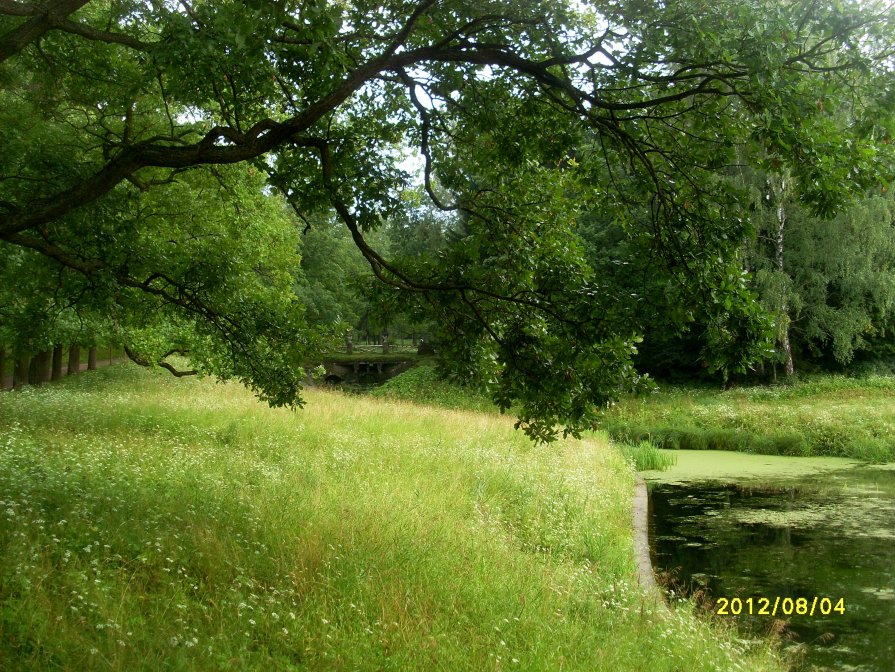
{"points": [[47, 365]]}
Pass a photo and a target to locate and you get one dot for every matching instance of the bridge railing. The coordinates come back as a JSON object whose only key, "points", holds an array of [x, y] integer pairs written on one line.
{"points": [[392, 347]]}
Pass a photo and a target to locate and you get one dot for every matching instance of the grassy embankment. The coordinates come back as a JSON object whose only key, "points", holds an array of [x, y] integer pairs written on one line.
{"points": [[152, 523], [823, 415]]}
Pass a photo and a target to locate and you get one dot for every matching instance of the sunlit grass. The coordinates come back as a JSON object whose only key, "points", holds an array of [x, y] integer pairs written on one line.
{"points": [[148, 523]]}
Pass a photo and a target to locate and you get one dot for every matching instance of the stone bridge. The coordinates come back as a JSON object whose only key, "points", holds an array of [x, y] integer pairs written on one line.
{"points": [[364, 371]]}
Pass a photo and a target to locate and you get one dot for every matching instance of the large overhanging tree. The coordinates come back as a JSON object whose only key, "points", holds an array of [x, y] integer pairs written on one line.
{"points": [[524, 113]]}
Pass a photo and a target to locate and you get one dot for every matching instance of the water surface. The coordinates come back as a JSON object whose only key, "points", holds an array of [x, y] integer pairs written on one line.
{"points": [[762, 526]]}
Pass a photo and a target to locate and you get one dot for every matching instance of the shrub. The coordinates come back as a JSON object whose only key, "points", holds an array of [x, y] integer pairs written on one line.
{"points": [[422, 384]]}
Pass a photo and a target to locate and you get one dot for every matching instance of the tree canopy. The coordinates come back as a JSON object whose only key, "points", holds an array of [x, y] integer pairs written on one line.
{"points": [[525, 115]]}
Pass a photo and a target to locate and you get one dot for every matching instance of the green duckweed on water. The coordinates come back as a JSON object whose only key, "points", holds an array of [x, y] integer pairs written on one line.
{"points": [[737, 525], [725, 465]]}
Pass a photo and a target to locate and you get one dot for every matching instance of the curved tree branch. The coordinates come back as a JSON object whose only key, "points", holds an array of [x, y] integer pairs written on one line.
{"points": [[12, 8], [425, 130], [393, 276], [142, 361], [96, 35], [45, 18], [267, 134]]}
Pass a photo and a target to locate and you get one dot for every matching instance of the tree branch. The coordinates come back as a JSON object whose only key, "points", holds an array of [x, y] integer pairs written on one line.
{"points": [[142, 361], [44, 19], [179, 374], [387, 272], [11, 8], [268, 134], [425, 129], [97, 35]]}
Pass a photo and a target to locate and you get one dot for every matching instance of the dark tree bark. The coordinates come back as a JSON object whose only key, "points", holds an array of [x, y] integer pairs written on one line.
{"points": [[46, 366], [57, 362], [45, 17], [20, 374], [33, 366], [91, 358], [74, 359], [40, 367], [2, 367]]}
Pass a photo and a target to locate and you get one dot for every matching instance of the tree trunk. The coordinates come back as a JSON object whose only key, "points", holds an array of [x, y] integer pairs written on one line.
{"points": [[91, 358], [33, 370], [2, 367], [783, 318], [20, 374], [787, 353], [57, 362], [74, 359], [42, 364]]}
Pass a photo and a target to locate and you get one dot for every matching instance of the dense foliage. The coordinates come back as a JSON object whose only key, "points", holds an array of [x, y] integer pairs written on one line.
{"points": [[134, 134]]}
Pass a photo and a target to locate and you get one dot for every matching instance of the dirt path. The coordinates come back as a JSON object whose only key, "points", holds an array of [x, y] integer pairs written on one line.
{"points": [[6, 382]]}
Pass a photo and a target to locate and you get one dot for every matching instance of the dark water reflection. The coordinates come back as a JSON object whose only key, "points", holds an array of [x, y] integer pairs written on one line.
{"points": [[828, 535]]}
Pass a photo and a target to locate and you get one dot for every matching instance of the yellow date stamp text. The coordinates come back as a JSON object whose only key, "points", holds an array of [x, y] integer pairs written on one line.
{"points": [[780, 606]]}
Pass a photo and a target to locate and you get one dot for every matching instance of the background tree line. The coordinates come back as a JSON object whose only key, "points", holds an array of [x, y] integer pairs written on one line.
{"points": [[826, 286]]}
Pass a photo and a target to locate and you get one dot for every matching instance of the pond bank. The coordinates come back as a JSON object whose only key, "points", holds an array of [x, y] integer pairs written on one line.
{"points": [[640, 513]]}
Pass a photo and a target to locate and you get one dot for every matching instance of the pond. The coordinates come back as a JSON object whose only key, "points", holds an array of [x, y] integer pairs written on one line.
{"points": [[752, 526]]}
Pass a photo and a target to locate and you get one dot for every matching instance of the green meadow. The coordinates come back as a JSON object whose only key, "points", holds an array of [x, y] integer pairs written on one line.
{"points": [[148, 523]]}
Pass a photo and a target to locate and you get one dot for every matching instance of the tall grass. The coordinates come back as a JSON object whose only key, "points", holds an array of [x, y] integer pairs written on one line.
{"points": [[644, 456], [825, 415], [149, 523]]}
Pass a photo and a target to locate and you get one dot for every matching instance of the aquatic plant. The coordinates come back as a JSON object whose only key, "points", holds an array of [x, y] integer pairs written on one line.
{"points": [[645, 456]]}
